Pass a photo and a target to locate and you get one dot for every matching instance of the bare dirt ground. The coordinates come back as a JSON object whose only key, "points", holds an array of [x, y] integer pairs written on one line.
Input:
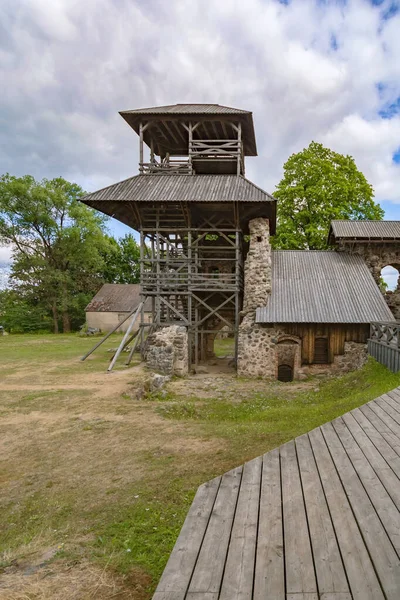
{"points": [[73, 441]]}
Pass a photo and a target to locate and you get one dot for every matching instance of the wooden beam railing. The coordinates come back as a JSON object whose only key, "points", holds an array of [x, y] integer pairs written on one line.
{"points": [[223, 149], [170, 167], [223, 281], [384, 344], [386, 333]]}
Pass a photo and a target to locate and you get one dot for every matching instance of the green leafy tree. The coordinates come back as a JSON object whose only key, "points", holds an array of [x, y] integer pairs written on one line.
{"points": [[319, 186], [121, 259], [20, 315], [58, 244]]}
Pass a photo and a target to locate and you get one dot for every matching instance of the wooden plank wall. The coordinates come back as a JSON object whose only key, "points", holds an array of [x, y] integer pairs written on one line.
{"points": [[336, 334], [386, 355]]}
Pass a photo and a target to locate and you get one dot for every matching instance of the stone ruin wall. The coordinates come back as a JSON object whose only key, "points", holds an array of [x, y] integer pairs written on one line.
{"points": [[255, 358], [168, 351], [377, 256], [257, 267]]}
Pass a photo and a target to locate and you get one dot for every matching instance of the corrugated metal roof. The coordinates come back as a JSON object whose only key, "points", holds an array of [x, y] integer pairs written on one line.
{"points": [[182, 188], [322, 287], [366, 229], [184, 109], [117, 297]]}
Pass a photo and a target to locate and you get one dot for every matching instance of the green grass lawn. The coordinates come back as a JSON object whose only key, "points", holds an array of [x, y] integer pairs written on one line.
{"points": [[106, 479]]}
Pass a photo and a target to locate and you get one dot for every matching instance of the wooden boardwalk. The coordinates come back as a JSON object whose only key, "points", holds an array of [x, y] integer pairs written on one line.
{"points": [[316, 519]]}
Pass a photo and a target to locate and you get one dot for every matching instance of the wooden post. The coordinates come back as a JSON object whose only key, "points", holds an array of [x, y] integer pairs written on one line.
{"points": [[151, 151], [239, 158], [108, 335], [141, 148], [142, 297], [190, 133], [126, 336]]}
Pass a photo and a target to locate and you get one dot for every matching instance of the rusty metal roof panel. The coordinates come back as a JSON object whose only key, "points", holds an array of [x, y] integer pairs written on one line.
{"points": [[182, 188], [382, 230], [322, 287], [185, 109], [117, 297]]}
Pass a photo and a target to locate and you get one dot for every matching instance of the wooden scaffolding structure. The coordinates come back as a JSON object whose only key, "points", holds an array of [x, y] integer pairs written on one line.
{"points": [[191, 206]]}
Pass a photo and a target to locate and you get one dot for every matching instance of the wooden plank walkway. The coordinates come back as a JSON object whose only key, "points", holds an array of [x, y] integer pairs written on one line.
{"points": [[316, 519]]}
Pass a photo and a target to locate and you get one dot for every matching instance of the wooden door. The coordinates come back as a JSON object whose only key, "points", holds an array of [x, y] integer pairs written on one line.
{"points": [[321, 351]]}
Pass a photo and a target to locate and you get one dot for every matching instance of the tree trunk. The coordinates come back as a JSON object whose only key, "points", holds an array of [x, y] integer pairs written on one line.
{"points": [[55, 317], [66, 322], [65, 314]]}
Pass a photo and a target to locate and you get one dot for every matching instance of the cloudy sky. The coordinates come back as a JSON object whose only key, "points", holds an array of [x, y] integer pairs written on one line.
{"points": [[308, 69]]}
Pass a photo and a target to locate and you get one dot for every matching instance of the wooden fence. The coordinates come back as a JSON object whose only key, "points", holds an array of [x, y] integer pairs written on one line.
{"points": [[384, 344]]}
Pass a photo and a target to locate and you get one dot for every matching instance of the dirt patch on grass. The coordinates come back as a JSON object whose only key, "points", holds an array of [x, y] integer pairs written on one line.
{"points": [[61, 580]]}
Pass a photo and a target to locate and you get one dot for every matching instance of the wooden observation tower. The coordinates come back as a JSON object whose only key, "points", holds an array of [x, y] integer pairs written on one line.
{"points": [[191, 205]]}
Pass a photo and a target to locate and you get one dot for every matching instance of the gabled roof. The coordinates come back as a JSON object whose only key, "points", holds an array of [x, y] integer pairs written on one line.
{"points": [[322, 287], [182, 188], [213, 121], [185, 109], [117, 297], [364, 230]]}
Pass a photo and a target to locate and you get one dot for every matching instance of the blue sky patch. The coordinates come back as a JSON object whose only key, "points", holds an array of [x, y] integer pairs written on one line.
{"points": [[390, 110], [396, 156]]}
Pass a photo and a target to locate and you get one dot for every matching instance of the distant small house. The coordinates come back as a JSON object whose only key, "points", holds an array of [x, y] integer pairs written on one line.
{"points": [[112, 304]]}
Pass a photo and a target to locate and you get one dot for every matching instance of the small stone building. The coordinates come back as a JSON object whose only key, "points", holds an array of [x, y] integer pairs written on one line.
{"points": [[306, 312], [112, 304]]}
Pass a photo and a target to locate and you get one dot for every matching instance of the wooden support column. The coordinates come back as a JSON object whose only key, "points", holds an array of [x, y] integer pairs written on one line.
{"points": [[239, 157], [141, 148], [142, 296], [190, 134]]}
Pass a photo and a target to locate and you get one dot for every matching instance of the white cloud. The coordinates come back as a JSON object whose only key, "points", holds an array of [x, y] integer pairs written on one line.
{"points": [[5, 254], [69, 66]]}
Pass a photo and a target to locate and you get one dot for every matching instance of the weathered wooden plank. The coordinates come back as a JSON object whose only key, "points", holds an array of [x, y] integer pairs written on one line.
{"points": [[200, 596], [374, 474], [300, 574], [176, 577], [382, 402], [311, 596], [237, 583], [382, 553], [378, 440], [331, 576], [389, 436], [392, 402], [207, 575], [395, 394], [363, 582], [384, 416], [269, 579]]}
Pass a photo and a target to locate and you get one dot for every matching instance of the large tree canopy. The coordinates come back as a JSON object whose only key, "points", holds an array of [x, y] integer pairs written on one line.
{"points": [[318, 186]]}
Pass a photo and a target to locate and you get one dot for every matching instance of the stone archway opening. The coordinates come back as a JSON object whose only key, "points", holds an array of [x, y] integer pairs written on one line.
{"points": [[288, 357], [390, 287], [389, 280]]}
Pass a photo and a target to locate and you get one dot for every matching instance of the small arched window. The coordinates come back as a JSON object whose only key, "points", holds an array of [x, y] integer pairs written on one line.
{"points": [[321, 353]]}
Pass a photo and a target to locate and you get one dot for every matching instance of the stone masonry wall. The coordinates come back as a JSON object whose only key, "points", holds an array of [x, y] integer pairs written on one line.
{"points": [[168, 352], [377, 256], [261, 348], [257, 356], [257, 268]]}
